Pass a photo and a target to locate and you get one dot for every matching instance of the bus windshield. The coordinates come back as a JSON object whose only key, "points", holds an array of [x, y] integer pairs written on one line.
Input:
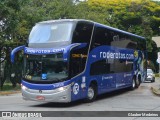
{"points": [[51, 32], [45, 67]]}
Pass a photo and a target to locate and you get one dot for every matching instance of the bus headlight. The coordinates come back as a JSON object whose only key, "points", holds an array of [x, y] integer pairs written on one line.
{"points": [[63, 88], [23, 87]]}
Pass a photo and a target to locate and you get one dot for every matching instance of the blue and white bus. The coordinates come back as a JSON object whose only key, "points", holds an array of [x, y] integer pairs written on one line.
{"points": [[71, 59]]}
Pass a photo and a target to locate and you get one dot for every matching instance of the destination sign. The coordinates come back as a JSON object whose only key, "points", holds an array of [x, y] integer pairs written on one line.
{"points": [[43, 51]]}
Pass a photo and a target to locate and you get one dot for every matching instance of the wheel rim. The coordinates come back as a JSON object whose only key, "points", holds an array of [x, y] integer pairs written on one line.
{"points": [[133, 83], [90, 93]]}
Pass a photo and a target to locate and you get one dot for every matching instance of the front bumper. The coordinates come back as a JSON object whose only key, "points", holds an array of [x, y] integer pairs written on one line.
{"points": [[150, 78], [62, 94]]}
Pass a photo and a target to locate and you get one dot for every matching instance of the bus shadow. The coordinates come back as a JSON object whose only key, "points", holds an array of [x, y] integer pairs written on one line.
{"points": [[79, 102], [59, 105]]}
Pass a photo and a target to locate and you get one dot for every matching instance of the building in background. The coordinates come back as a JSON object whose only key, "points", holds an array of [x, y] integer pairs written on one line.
{"points": [[156, 40]]}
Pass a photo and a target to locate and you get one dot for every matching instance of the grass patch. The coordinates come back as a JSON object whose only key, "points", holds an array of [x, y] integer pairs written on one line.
{"points": [[9, 89], [8, 86], [157, 75]]}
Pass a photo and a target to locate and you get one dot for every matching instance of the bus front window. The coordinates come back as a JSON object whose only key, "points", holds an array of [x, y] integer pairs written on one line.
{"points": [[51, 33], [45, 67]]}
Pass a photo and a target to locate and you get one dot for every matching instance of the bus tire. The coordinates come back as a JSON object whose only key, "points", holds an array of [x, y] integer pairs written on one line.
{"points": [[133, 83], [91, 93], [138, 82]]}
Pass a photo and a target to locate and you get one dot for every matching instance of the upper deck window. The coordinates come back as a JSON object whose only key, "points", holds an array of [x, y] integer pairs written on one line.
{"points": [[51, 32], [82, 32]]}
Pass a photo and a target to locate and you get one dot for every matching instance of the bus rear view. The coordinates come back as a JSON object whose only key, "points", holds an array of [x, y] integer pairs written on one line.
{"points": [[72, 59]]}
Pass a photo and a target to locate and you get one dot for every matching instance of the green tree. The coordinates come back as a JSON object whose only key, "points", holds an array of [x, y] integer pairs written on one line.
{"points": [[136, 16], [9, 11], [141, 17], [40, 10]]}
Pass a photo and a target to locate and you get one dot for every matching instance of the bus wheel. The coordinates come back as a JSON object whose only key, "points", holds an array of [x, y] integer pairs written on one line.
{"points": [[133, 83], [92, 93], [138, 82]]}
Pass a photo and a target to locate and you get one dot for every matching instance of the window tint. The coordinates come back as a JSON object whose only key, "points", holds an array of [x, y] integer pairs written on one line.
{"points": [[123, 66], [110, 66], [123, 41], [101, 67], [105, 36], [141, 45], [101, 36], [83, 32], [77, 62]]}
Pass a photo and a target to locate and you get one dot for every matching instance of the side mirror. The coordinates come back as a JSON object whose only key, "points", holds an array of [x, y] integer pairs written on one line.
{"points": [[14, 51]]}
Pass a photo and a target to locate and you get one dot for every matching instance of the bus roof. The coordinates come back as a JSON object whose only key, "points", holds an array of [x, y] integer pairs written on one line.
{"points": [[83, 20]]}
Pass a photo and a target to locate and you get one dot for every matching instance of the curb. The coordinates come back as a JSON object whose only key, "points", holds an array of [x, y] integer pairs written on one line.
{"points": [[155, 91], [6, 93]]}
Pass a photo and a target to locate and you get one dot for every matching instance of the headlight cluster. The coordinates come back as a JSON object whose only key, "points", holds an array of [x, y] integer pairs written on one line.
{"points": [[23, 87], [60, 89]]}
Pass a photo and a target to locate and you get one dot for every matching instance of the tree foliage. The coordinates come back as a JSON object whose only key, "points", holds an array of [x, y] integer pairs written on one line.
{"points": [[9, 14], [140, 17]]}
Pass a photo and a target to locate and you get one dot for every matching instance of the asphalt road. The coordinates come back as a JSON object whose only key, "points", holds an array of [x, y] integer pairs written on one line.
{"points": [[140, 99]]}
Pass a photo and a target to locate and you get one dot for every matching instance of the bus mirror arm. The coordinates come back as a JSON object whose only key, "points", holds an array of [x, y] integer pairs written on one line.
{"points": [[14, 51]]}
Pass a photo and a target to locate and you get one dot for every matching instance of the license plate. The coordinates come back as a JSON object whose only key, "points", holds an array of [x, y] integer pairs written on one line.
{"points": [[40, 98]]}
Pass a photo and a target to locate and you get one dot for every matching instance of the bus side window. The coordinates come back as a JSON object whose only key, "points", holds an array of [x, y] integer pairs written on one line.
{"points": [[100, 36], [141, 45], [101, 67], [82, 33], [131, 45]]}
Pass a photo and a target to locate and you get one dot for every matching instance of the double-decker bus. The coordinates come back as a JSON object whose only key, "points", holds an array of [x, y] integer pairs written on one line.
{"points": [[71, 59]]}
